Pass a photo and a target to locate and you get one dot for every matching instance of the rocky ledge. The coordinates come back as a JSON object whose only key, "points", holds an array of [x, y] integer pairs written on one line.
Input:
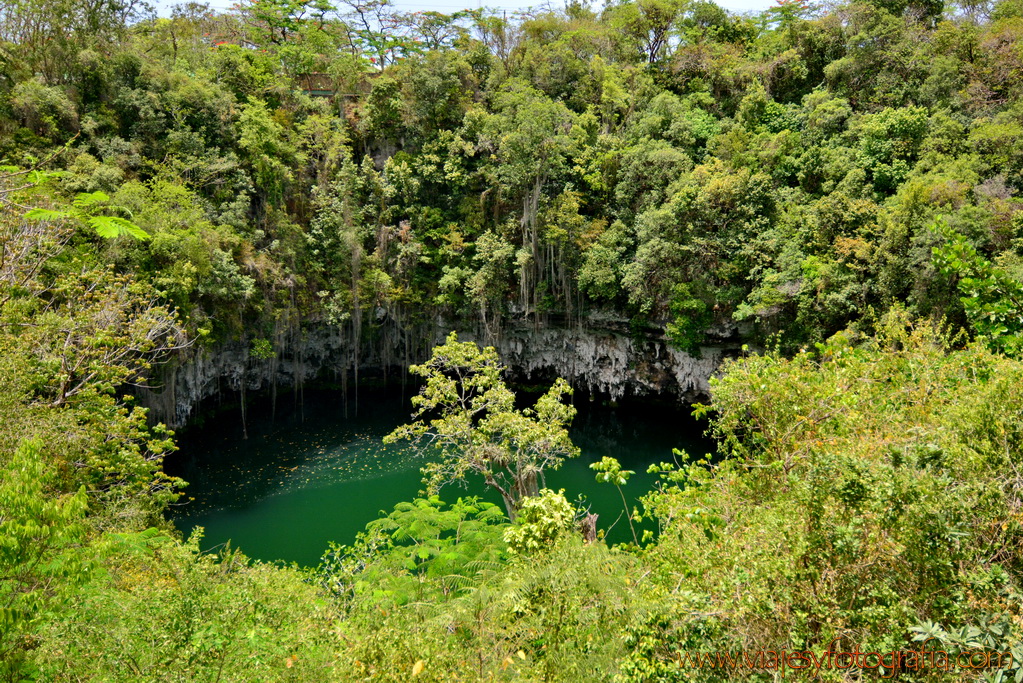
{"points": [[596, 355]]}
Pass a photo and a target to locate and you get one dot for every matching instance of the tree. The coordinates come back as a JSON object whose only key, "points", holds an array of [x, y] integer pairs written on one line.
{"points": [[785, 13], [609, 471], [275, 21], [488, 285], [85, 209], [423, 546], [651, 24], [530, 142], [466, 415], [268, 148], [49, 35], [100, 331], [543, 520], [36, 530], [25, 247], [376, 28], [991, 297]]}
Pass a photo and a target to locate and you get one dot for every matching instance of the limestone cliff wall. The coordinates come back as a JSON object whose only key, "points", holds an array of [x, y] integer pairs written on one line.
{"points": [[607, 362], [596, 356]]}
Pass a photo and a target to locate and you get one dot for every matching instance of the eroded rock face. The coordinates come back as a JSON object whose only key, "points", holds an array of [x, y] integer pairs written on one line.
{"points": [[595, 357], [605, 362], [202, 373]]}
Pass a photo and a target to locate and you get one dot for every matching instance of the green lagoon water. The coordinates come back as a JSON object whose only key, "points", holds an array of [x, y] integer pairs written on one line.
{"points": [[313, 476]]}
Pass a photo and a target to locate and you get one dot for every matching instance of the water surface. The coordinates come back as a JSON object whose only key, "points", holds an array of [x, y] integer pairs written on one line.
{"points": [[311, 476]]}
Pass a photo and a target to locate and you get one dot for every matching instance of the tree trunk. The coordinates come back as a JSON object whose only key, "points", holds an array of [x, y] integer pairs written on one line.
{"points": [[588, 527], [527, 485], [510, 507]]}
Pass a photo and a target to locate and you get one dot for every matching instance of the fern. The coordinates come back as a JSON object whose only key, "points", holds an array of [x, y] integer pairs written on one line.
{"points": [[47, 215], [109, 227], [82, 208], [87, 200]]}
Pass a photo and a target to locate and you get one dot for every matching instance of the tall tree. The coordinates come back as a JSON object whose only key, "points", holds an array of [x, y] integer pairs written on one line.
{"points": [[466, 416]]}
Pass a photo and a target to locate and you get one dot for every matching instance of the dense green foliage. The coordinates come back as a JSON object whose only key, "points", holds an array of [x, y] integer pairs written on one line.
{"points": [[845, 181], [477, 429], [669, 161]]}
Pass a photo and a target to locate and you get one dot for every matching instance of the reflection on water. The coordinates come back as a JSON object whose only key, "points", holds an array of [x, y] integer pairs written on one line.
{"points": [[313, 476]]}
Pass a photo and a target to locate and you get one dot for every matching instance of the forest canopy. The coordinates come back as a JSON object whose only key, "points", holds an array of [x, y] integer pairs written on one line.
{"points": [[679, 165], [838, 186]]}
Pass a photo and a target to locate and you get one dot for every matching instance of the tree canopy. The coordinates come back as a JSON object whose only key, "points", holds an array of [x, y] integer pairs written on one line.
{"points": [[838, 188]]}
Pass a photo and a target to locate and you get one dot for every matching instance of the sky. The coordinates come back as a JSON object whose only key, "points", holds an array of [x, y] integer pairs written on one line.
{"points": [[449, 6]]}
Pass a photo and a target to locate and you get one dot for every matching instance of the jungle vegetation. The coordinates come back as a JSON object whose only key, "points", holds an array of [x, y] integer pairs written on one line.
{"points": [[838, 187]]}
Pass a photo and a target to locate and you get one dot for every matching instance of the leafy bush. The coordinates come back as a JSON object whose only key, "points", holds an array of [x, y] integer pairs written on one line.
{"points": [[541, 521]]}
